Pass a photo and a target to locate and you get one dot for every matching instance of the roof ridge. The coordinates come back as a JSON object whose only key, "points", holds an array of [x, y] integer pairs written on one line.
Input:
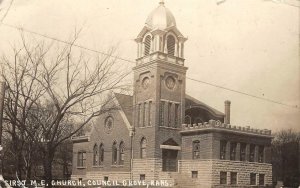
{"points": [[217, 112]]}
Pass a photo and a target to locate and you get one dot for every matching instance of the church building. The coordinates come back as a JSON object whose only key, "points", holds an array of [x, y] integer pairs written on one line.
{"points": [[161, 134]]}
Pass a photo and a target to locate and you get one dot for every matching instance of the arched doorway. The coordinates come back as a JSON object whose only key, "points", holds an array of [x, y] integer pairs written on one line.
{"points": [[170, 155]]}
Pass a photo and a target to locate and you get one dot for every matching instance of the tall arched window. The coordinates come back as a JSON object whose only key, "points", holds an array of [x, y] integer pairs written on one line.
{"points": [[114, 153], [171, 45], [196, 149], [147, 43], [101, 154], [143, 148], [95, 155], [122, 153]]}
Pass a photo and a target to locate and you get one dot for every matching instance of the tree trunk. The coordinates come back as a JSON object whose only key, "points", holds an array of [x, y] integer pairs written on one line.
{"points": [[48, 159], [28, 172], [19, 166]]}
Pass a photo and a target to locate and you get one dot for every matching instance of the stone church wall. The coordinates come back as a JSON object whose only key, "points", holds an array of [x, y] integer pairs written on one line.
{"points": [[208, 172], [202, 167], [205, 146], [239, 138], [99, 135], [152, 169], [243, 170]]}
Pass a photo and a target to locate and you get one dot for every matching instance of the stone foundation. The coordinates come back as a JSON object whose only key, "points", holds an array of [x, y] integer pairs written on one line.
{"points": [[209, 172]]}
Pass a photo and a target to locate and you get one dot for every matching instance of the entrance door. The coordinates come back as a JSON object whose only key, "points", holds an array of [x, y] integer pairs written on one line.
{"points": [[169, 158]]}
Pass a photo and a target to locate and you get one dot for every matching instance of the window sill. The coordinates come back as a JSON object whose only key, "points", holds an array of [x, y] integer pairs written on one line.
{"points": [[117, 166], [244, 161], [101, 166], [145, 127], [81, 167]]}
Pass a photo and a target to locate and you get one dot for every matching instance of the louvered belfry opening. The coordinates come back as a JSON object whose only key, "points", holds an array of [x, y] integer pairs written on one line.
{"points": [[147, 45], [171, 45]]}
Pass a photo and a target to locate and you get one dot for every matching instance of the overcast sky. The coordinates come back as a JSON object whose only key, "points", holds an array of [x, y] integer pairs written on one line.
{"points": [[247, 45]]}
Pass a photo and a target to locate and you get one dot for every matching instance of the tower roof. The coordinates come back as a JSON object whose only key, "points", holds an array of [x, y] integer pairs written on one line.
{"points": [[161, 18]]}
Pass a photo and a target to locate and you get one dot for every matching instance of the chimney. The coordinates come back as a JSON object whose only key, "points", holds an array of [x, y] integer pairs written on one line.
{"points": [[227, 112]]}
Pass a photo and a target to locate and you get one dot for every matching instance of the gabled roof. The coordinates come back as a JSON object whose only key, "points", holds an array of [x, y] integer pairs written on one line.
{"points": [[191, 102], [126, 104]]}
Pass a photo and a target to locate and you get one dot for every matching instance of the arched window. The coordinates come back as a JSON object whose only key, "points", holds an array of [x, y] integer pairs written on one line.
{"points": [[95, 155], [187, 120], [143, 148], [108, 124], [171, 45], [114, 153], [122, 153], [196, 149], [147, 43], [101, 154]]}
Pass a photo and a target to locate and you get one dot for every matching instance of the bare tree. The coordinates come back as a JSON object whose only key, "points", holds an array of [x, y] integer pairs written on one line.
{"points": [[21, 94], [285, 157], [53, 92]]}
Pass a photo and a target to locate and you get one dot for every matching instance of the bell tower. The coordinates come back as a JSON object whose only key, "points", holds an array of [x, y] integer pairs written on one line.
{"points": [[159, 87]]}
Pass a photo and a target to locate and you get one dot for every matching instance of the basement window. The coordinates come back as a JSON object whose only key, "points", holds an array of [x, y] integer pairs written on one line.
{"points": [[233, 178], [194, 174], [142, 177], [261, 179], [223, 177], [252, 179]]}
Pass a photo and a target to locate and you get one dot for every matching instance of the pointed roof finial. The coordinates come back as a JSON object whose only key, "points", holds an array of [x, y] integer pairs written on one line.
{"points": [[161, 2]]}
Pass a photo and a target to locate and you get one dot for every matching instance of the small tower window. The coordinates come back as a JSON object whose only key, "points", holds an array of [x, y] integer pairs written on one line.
{"points": [[169, 114], [177, 114], [162, 113], [145, 115], [171, 45], [147, 45], [149, 113], [140, 115], [143, 148]]}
